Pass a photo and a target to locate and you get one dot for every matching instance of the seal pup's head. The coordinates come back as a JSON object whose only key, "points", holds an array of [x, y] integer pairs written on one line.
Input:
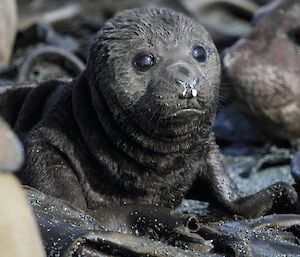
{"points": [[157, 69]]}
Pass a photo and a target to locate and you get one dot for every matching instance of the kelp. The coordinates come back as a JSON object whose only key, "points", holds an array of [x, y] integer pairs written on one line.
{"points": [[67, 231]]}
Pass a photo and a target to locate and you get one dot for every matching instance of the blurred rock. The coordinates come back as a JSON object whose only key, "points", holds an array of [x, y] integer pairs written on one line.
{"points": [[56, 11], [33, 11], [239, 169], [8, 26], [19, 236], [226, 19], [264, 70], [235, 134], [11, 151]]}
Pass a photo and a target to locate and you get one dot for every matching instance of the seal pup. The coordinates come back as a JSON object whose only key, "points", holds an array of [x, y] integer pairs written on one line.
{"points": [[264, 69], [135, 126]]}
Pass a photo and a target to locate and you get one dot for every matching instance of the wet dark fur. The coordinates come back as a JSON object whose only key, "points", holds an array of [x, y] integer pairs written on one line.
{"points": [[107, 138]]}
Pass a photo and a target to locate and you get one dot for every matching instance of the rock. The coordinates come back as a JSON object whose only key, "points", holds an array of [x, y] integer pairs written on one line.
{"points": [[235, 134], [226, 20], [264, 70], [32, 11], [11, 151], [8, 25], [19, 234], [238, 169]]}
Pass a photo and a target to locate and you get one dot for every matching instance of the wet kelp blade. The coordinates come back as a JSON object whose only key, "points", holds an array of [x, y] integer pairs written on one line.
{"points": [[120, 244], [67, 231], [264, 236]]}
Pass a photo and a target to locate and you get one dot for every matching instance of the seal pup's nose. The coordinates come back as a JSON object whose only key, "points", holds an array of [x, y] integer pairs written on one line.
{"points": [[185, 76], [187, 88]]}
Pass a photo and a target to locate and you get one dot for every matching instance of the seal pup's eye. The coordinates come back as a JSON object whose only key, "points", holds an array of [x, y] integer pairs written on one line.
{"points": [[143, 61], [199, 54]]}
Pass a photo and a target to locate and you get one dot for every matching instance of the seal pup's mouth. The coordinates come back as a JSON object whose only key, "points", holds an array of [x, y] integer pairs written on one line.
{"points": [[186, 113]]}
